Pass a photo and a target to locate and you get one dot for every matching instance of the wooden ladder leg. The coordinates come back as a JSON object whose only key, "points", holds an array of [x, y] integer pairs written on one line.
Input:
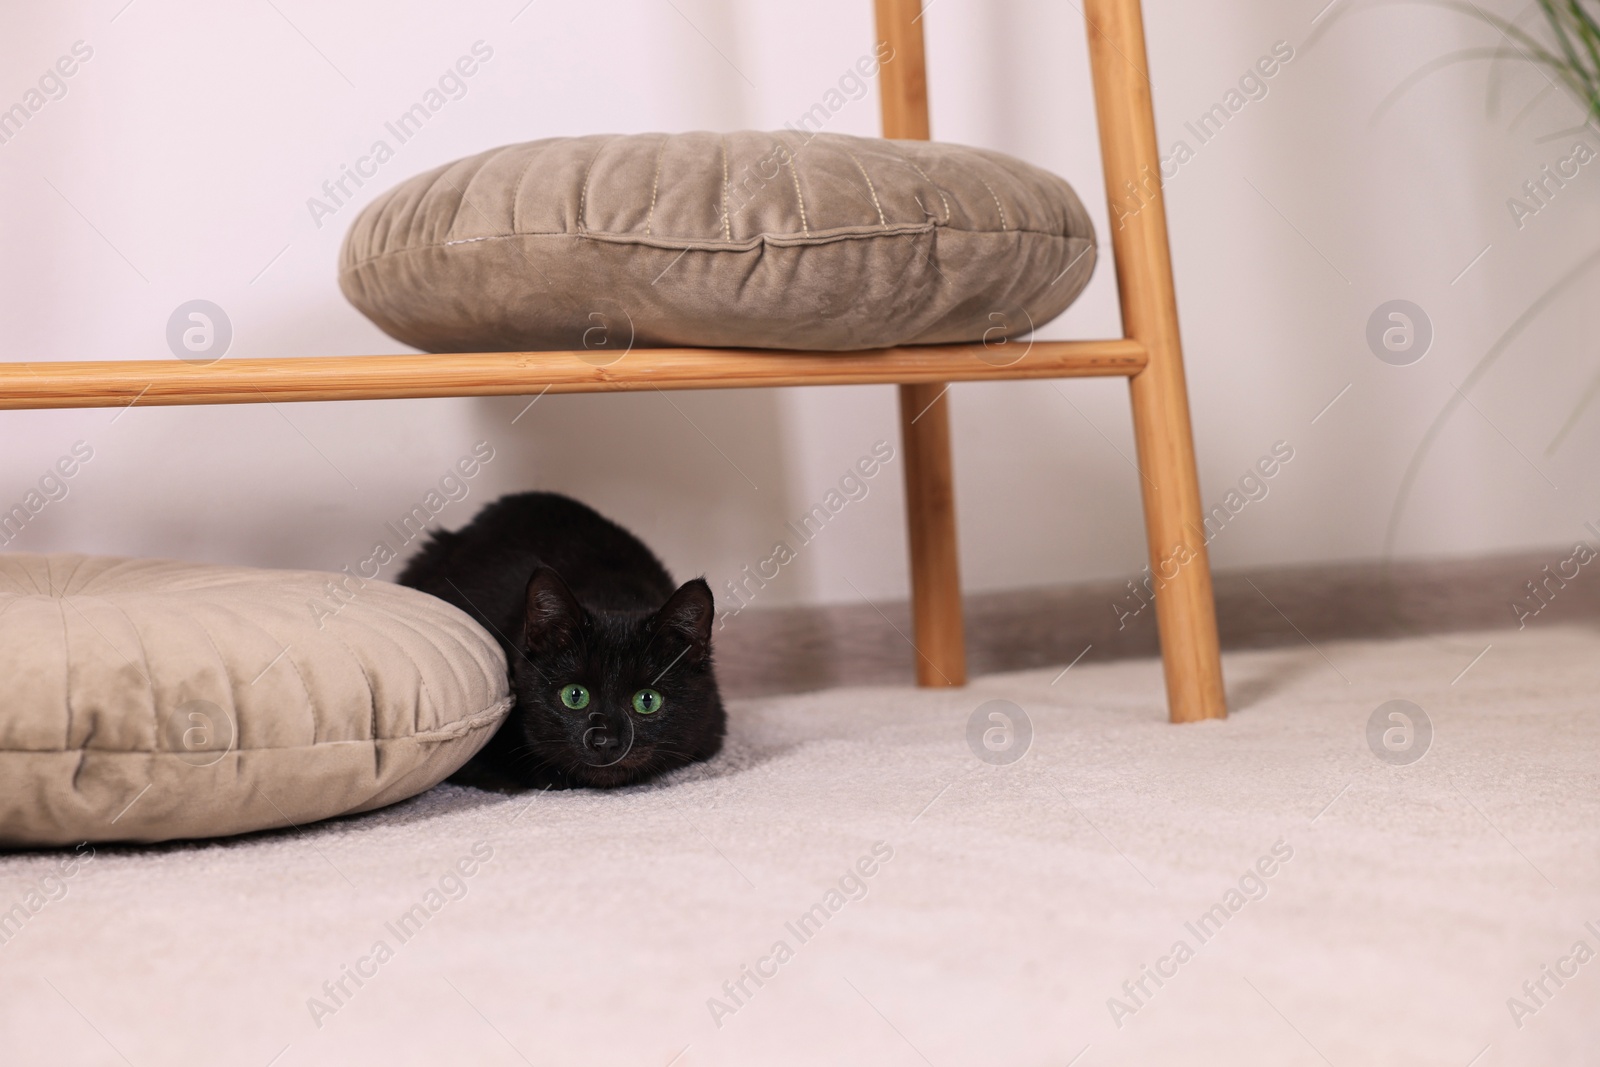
{"points": [[1185, 611], [1181, 569], [931, 525], [924, 409]]}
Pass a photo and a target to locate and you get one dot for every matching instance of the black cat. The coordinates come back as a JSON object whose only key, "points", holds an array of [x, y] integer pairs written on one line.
{"points": [[610, 666]]}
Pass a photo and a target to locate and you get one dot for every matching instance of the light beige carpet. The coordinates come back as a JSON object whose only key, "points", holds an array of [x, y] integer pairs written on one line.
{"points": [[1014, 914]]}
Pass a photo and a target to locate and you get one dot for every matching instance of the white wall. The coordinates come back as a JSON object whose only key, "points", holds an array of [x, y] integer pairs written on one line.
{"points": [[180, 160]]}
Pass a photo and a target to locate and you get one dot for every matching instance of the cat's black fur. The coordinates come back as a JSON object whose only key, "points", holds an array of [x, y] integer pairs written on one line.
{"points": [[575, 599]]}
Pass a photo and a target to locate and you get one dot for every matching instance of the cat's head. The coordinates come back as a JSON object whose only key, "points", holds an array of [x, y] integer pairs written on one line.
{"points": [[613, 698]]}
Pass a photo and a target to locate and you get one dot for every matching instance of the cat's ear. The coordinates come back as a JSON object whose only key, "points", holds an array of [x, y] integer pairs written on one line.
{"points": [[688, 613], [552, 614]]}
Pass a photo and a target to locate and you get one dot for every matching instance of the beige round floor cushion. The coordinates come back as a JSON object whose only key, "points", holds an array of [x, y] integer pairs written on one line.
{"points": [[146, 700], [761, 240]]}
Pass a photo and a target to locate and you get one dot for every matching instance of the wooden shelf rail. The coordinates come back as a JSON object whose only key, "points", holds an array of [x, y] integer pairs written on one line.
{"points": [[118, 383]]}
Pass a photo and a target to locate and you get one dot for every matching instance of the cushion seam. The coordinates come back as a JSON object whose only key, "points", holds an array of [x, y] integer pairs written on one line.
{"points": [[461, 190], [311, 703], [444, 733], [924, 174], [149, 673], [998, 205], [794, 172], [372, 692], [588, 172], [727, 231], [516, 195], [655, 185], [428, 641], [227, 676], [710, 246], [66, 671], [870, 188]]}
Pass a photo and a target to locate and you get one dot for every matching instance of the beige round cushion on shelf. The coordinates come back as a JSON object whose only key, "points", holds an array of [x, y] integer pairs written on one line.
{"points": [[747, 240], [147, 700]]}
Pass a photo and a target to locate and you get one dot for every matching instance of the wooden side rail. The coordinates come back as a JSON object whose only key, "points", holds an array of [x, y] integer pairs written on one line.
{"points": [[118, 383]]}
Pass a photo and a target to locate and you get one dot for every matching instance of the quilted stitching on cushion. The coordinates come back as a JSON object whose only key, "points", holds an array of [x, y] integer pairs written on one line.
{"points": [[766, 240]]}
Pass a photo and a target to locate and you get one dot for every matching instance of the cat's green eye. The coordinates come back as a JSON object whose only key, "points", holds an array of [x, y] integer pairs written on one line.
{"points": [[647, 702], [575, 697]]}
